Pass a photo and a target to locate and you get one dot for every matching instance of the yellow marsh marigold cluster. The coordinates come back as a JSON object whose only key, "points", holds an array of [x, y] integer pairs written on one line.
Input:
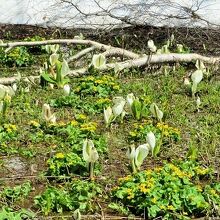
{"points": [[34, 124], [178, 172], [167, 130], [59, 155], [130, 194], [90, 126], [10, 128], [125, 179]]}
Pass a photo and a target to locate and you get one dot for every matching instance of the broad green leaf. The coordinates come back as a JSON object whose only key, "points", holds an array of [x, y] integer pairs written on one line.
{"points": [[48, 78], [136, 109]]}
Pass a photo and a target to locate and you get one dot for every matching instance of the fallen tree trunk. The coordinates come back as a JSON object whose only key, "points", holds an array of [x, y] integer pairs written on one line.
{"points": [[134, 59]]}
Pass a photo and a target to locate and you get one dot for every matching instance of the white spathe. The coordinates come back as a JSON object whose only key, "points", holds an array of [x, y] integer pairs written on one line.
{"points": [[66, 89], [197, 76], [151, 140], [108, 115], [140, 154]]}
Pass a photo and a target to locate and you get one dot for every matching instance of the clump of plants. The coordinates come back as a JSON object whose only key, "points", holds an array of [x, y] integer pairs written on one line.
{"points": [[77, 194], [101, 86], [175, 190], [10, 195], [62, 164], [18, 56]]}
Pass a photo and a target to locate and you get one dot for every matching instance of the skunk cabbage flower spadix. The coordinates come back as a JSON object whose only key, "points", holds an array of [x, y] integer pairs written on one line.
{"points": [[108, 115], [140, 154], [66, 89], [151, 46], [151, 140], [90, 154], [156, 111], [98, 61], [118, 108], [47, 115]]}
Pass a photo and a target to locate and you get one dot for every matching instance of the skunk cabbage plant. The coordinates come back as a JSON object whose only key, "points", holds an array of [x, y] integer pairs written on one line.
{"points": [[151, 46], [90, 155], [108, 116], [118, 108], [47, 115], [151, 140], [196, 79], [137, 156], [98, 61], [157, 113]]}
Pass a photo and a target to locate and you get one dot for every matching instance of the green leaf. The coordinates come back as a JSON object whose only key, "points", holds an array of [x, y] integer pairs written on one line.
{"points": [[48, 78], [136, 109]]}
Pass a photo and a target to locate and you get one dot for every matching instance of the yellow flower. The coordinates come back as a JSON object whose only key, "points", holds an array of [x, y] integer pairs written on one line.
{"points": [[91, 126], [99, 81], [154, 200], [170, 207], [148, 172], [81, 117], [103, 100], [116, 87], [8, 130], [89, 78], [162, 207], [158, 169], [59, 156], [199, 188], [13, 127], [201, 171], [77, 89], [74, 123], [133, 133], [126, 178], [213, 192], [130, 194], [34, 124], [10, 127]]}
